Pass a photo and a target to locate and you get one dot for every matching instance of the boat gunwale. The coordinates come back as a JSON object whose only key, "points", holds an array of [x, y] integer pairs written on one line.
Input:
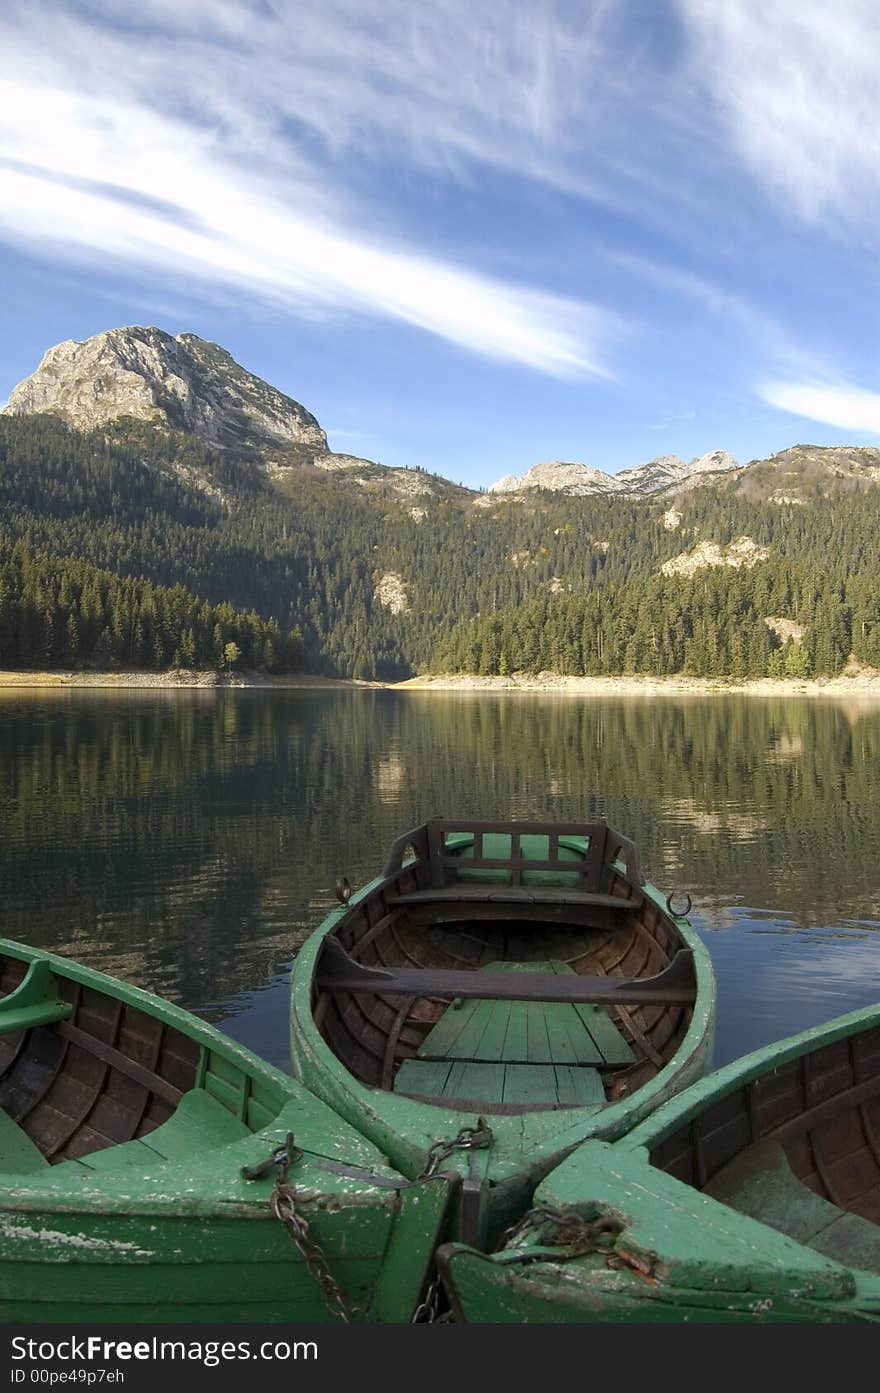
{"points": [[177, 1017], [720, 1083]]}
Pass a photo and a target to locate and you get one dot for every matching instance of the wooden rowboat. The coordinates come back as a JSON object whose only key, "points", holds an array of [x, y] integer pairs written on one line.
{"points": [[500, 993], [125, 1127], [754, 1196]]}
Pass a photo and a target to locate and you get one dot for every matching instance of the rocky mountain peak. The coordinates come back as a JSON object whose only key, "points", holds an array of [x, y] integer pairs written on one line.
{"points": [[661, 475], [184, 383], [713, 463], [562, 476]]}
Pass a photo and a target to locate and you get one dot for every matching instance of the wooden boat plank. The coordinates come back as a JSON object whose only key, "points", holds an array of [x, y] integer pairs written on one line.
{"points": [[26, 1017], [537, 1040], [511, 1032], [491, 1046], [422, 1077], [516, 1041], [469, 1043], [529, 1083], [570, 1041], [609, 1042], [570, 1027], [567, 1041], [439, 1041], [579, 1087], [469, 1079], [199, 1120], [109, 1055]]}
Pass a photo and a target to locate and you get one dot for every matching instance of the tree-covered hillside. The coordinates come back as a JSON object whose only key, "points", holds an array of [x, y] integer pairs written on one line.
{"points": [[378, 587]]}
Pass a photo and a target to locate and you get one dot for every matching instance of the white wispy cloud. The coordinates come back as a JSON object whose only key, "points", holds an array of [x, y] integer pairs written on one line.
{"points": [[849, 408], [192, 153], [794, 84]]}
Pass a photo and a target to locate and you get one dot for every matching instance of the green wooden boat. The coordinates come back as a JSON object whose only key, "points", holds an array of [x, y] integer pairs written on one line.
{"points": [[125, 1126], [500, 993], [752, 1197]]}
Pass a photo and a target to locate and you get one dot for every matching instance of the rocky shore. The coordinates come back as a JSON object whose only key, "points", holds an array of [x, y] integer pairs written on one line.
{"points": [[865, 683], [175, 678]]}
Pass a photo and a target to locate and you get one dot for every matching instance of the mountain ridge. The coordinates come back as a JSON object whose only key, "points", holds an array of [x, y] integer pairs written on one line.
{"points": [[190, 384]]}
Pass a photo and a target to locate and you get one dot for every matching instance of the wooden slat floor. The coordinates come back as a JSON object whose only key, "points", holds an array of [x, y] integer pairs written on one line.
{"points": [[515, 1052]]}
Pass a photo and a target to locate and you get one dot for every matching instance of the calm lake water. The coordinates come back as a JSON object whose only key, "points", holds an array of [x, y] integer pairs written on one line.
{"points": [[189, 841]]}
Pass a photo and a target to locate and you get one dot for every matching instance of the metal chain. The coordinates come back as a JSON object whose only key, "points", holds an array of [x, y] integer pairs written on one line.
{"points": [[283, 1205], [566, 1230], [468, 1139], [428, 1310], [284, 1208], [477, 1138]]}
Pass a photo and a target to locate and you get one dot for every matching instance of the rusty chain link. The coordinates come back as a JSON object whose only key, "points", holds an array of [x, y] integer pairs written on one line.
{"points": [[566, 1230], [477, 1138], [468, 1139], [428, 1310], [283, 1205], [284, 1208]]}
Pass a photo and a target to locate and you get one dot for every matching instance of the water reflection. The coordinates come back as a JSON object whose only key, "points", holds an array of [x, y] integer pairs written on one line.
{"points": [[188, 841]]}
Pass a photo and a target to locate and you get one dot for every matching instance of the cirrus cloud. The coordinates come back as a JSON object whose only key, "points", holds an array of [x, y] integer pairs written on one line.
{"points": [[849, 408], [186, 152]]}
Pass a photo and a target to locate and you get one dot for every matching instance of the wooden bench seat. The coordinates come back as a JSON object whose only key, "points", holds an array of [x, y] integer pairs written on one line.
{"points": [[33, 1002], [761, 1184], [198, 1124], [472, 892], [338, 972], [516, 1053]]}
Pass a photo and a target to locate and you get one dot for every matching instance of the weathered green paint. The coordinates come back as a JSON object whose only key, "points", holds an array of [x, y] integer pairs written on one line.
{"points": [[167, 1229], [34, 1001], [525, 1146], [681, 1254], [489, 1294]]}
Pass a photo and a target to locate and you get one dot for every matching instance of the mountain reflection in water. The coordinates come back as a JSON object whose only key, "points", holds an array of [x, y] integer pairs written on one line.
{"points": [[188, 841]]}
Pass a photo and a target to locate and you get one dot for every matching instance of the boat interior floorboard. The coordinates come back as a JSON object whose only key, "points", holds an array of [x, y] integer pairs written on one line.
{"points": [[538, 1054]]}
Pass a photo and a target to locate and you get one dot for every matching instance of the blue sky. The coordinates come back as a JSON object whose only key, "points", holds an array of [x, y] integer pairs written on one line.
{"points": [[467, 234]]}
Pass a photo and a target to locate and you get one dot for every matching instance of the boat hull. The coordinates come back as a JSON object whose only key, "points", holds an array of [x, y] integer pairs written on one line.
{"points": [[526, 1141], [159, 1222]]}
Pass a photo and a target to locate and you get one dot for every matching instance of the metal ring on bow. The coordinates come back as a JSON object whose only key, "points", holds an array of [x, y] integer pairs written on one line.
{"points": [[679, 913]]}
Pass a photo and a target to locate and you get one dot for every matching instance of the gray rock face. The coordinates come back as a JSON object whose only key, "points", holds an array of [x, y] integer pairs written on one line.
{"points": [[559, 475], [668, 473], [662, 475], [184, 383]]}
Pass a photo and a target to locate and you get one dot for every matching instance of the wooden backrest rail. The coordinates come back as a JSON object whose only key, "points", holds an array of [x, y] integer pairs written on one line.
{"points": [[337, 972], [430, 844]]}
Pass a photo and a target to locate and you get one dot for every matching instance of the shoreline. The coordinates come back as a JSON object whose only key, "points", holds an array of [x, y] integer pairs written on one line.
{"points": [[172, 680], [865, 684]]}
